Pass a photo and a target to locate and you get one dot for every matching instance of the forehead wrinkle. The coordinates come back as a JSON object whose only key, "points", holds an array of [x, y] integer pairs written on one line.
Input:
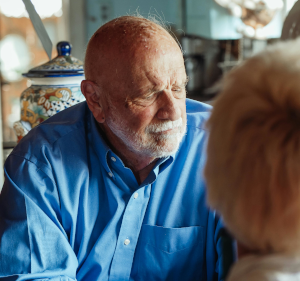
{"points": [[155, 84], [99, 51], [158, 85], [172, 73]]}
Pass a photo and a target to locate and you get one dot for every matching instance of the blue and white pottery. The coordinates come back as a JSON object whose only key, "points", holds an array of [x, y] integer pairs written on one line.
{"points": [[55, 86]]}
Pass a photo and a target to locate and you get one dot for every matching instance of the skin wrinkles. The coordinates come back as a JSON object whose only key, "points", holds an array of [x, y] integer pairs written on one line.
{"points": [[134, 92], [153, 90]]}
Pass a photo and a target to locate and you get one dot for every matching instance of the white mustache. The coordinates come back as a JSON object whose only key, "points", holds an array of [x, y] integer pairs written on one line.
{"points": [[157, 128]]}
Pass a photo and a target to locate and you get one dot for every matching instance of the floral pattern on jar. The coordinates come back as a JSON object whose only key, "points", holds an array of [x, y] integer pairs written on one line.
{"points": [[38, 103]]}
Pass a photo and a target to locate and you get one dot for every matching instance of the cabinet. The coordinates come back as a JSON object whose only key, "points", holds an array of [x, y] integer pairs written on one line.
{"points": [[99, 12], [204, 18]]}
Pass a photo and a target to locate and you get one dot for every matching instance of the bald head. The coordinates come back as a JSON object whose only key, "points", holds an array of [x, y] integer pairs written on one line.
{"points": [[120, 42]]}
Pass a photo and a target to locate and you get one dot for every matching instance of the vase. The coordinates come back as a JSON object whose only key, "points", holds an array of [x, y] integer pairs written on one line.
{"points": [[55, 86]]}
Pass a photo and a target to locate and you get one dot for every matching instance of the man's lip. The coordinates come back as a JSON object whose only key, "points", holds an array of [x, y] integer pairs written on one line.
{"points": [[168, 131]]}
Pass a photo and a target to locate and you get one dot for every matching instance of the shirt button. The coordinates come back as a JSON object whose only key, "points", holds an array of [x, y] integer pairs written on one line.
{"points": [[135, 195], [126, 242], [113, 159], [110, 174]]}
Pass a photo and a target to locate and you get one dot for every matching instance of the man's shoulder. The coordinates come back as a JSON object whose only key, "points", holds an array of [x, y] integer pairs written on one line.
{"points": [[197, 113], [55, 128]]}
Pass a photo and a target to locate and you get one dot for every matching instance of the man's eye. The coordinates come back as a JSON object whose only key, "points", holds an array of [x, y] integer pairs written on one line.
{"points": [[179, 92], [145, 100], [177, 89], [149, 97]]}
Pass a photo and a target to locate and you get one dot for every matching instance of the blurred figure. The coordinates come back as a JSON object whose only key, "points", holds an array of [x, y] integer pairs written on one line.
{"points": [[253, 163]]}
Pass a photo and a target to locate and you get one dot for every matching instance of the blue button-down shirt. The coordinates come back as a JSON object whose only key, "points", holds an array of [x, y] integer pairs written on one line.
{"points": [[71, 210]]}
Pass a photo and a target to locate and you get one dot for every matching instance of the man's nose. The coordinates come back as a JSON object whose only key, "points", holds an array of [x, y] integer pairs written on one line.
{"points": [[169, 106]]}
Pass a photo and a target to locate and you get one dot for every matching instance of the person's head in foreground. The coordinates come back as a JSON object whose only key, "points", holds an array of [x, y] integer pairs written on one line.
{"points": [[253, 162], [137, 94]]}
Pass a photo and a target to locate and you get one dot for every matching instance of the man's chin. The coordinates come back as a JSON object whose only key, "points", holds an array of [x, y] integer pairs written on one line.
{"points": [[167, 145], [164, 150]]}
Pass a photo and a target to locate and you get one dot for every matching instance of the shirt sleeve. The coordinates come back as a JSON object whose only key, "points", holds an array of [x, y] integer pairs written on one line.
{"points": [[33, 243], [220, 249], [226, 251]]}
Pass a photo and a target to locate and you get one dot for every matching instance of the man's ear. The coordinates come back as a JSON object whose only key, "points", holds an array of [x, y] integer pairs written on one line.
{"points": [[92, 96]]}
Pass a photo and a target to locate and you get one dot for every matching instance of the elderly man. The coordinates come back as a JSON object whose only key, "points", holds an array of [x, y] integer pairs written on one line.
{"points": [[111, 188]]}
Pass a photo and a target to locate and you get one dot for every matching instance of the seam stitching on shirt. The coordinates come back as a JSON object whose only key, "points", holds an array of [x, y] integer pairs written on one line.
{"points": [[28, 158], [38, 168], [201, 128], [29, 235], [170, 253], [77, 127]]}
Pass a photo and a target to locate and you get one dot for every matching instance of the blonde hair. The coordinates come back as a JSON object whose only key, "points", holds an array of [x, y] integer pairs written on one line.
{"points": [[253, 161]]}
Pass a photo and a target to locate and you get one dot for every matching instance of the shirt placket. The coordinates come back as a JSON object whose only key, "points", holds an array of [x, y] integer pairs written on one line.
{"points": [[129, 233]]}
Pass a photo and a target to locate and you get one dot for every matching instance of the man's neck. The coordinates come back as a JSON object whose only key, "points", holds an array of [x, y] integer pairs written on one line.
{"points": [[143, 173], [140, 164]]}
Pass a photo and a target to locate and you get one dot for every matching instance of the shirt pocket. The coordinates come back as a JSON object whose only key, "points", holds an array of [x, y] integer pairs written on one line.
{"points": [[170, 253]]}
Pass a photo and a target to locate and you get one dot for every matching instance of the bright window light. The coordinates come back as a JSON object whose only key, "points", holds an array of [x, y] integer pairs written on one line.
{"points": [[14, 57], [290, 4], [45, 8]]}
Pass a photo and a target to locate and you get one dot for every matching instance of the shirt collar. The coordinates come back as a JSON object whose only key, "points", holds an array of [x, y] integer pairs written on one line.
{"points": [[99, 144]]}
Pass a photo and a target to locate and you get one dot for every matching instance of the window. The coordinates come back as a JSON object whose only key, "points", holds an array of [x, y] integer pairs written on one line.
{"points": [[21, 50]]}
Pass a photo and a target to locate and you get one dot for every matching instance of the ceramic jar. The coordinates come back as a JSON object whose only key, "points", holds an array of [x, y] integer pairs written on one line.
{"points": [[55, 86]]}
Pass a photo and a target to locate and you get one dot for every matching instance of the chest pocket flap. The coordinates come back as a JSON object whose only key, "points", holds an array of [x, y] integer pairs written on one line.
{"points": [[171, 240]]}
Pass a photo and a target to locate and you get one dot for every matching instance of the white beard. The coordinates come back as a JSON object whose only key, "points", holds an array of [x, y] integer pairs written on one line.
{"points": [[152, 143]]}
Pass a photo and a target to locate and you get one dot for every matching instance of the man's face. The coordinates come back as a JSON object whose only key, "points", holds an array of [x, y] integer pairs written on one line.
{"points": [[146, 108]]}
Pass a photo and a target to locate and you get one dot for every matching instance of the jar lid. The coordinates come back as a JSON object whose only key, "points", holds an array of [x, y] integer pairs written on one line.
{"points": [[63, 65]]}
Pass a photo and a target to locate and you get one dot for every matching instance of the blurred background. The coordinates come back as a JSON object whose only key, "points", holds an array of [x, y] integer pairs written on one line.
{"points": [[215, 36]]}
